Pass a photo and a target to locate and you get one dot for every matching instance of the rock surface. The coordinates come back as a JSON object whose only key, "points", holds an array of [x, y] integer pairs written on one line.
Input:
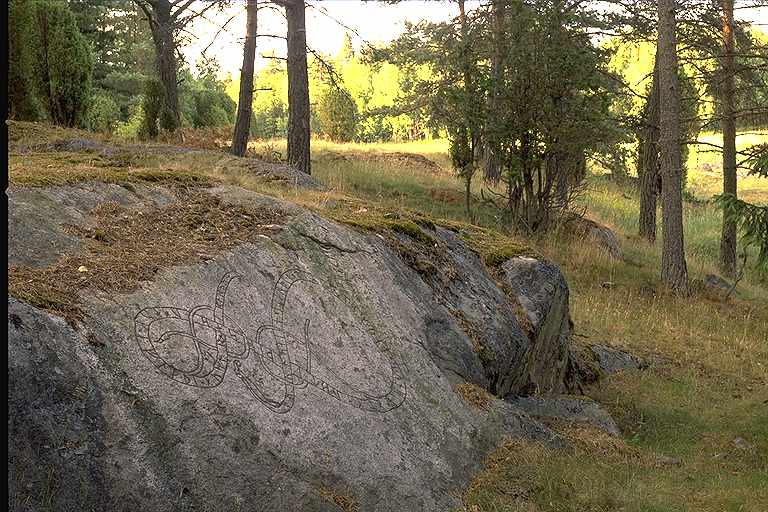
{"points": [[596, 233], [314, 362], [717, 287], [575, 409], [612, 360], [38, 217], [542, 292]]}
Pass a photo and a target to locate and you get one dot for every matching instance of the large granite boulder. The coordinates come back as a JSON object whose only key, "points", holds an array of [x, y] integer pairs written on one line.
{"points": [[542, 292], [312, 366]]}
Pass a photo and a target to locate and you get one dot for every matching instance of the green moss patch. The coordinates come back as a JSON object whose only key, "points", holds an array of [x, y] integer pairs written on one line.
{"points": [[493, 246], [382, 221]]}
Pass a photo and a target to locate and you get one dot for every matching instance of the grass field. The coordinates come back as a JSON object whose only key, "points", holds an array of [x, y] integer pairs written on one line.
{"points": [[705, 167], [695, 423]]}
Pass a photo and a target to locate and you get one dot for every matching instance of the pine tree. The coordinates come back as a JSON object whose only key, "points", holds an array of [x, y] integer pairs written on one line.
{"points": [[51, 63], [23, 100], [674, 272], [337, 114], [298, 87], [728, 237], [245, 100]]}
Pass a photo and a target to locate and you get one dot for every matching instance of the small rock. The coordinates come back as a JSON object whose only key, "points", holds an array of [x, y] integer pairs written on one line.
{"points": [[591, 231], [717, 287], [666, 460], [612, 360], [580, 409], [743, 445]]}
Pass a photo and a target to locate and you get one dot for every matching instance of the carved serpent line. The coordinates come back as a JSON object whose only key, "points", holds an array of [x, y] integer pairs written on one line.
{"points": [[231, 345]]}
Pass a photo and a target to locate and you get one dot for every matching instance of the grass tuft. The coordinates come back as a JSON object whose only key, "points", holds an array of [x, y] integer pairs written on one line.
{"points": [[474, 395], [344, 502]]}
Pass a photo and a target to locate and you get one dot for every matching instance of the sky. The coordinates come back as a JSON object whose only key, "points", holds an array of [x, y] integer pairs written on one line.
{"points": [[327, 22]]}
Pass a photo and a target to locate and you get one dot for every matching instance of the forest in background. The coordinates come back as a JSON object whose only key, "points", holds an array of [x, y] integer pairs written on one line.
{"points": [[353, 96], [693, 422], [529, 93]]}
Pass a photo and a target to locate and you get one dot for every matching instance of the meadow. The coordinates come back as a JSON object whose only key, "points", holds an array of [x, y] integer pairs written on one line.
{"points": [[694, 424]]}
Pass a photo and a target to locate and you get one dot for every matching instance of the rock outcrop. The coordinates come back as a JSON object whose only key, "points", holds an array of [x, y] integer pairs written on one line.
{"points": [[570, 409], [595, 233], [542, 292], [306, 365]]}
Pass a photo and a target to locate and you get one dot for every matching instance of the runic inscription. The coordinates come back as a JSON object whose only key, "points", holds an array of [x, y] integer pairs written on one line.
{"points": [[275, 370]]}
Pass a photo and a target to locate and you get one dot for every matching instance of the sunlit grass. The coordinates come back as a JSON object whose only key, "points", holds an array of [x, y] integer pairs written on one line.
{"points": [[705, 164]]}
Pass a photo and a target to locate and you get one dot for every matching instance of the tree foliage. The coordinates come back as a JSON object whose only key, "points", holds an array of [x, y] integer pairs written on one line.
{"points": [[540, 109], [336, 114], [23, 100], [52, 64], [751, 219]]}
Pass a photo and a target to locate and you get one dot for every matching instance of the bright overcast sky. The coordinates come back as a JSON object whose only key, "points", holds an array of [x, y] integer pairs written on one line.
{"points": [[375, 21]]}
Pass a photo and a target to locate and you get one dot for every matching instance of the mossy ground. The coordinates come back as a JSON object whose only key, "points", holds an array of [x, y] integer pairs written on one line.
{"points": [[704, 399]]}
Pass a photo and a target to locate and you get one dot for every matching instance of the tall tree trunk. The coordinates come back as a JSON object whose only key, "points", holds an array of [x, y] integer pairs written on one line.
{"points": [[673, 268], [468, 171], [298, 87], [728, 239], [245, 101], [161, 24], [493, 158], [648, 162]]}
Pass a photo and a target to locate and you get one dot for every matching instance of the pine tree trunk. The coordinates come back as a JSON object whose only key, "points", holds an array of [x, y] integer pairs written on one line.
{"points": [[728, 239], [648, 162], [469, 169], [493, 160], [673, 268], [245, 101], [167, 67], [298, 87]]}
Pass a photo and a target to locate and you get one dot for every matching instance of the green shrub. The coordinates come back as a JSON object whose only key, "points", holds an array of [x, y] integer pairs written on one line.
{"points": [[103, 113], [135, 126], [63, 62], [212, 108], [23, 101], [337, 114]]}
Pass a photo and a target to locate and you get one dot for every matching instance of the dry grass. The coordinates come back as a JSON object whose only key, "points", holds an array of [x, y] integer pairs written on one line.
{"points": [[62, 168], [470, 330], [474, 395], [344, 502], [128, 246]]}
